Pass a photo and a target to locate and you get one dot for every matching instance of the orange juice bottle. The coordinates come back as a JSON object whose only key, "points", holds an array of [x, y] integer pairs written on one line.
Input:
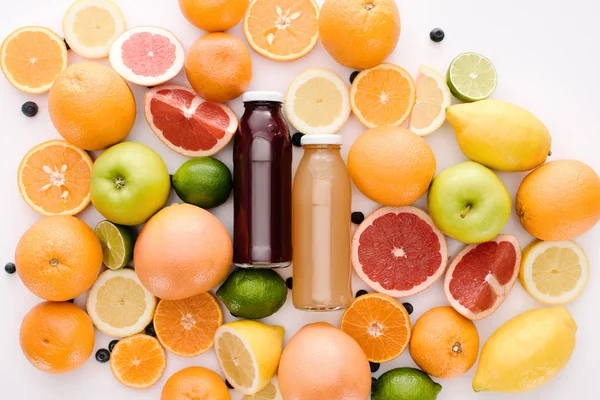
{"points": [[321, 207]]}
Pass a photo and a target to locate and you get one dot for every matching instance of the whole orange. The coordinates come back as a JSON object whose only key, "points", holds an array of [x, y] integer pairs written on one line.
{"points": [[213, 15], [91, 106], [444, 344], [322, 362], [182, 251], [58, 258], [57, 337], [218, 67], [195, 383], [359, 33], [391, 165], [559, 200]]}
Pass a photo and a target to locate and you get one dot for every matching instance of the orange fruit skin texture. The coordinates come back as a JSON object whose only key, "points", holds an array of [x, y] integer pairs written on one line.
{"points": [[391, 165], [322, 362], [182, 251], [218, 66], [559, 200], [435, 335], [91, 106], [58, 258], [195, 383], [213, 15], [359, 33], [57, 337]]}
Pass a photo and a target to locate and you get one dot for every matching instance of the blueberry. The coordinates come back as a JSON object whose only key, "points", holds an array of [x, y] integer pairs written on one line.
{"points": [[357, 217], [66, 44], [10, 268], [289, 282], [437, 35], [409, 308], [102, 355], [228, 384], [374, 366], [297, 139], [150, 330], [112, 345], [361, 292], [71, 301], [353, 76], [29, 108], [373, 381]]}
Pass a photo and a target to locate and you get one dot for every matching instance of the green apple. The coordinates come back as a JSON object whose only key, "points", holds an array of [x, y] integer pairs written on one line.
{"points": [[130, 183], [469, 203]]}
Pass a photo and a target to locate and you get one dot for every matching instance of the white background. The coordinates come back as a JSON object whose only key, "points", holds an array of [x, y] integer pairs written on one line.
{"points": [[546, 54]]}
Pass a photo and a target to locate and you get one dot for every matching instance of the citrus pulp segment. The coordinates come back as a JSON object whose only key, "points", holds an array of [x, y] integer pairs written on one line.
{"points": [[269, 392], [554, 272], [119, 304], [187, 327], [117, 244], [91, 27], [379, 324], [147, 55], [399, 251], [282, 30], [138, 361], [317, 102], [32, 57], [471, 77], [432, 98], [186, 123], [481, 276], [54, 178], [383, 96]]}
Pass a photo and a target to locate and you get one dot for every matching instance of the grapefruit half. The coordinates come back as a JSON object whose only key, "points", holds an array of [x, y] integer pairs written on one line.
{"points": [[481, 276], [399, 251], [187, 123], [147, 55]]}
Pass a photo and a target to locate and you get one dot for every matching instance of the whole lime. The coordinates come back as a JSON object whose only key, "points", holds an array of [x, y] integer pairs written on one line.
{"points": [[405, 384], [253, 293], [205, 182]]}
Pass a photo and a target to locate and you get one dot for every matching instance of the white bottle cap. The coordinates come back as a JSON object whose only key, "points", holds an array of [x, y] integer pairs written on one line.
{"points": [[321, 139], [262, 96]]}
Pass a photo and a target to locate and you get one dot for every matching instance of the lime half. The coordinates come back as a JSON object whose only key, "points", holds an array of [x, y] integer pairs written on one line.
{"points": [[471, 77], [117, 244]]}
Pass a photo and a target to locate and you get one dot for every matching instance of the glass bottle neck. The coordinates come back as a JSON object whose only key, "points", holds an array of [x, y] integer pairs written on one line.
{"points": [[336, 147], [262, 105]]}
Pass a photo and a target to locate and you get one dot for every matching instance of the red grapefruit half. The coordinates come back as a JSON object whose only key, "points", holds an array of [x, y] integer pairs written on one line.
{"points": [[147, 55], [187, 123], [399, 251], [481, 276]]}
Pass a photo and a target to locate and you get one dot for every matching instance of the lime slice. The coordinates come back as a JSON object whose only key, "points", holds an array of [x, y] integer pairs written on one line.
{"points": [[117, 244], [471, 77]]}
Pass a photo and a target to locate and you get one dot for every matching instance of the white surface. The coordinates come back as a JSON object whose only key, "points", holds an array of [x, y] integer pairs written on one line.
{"points": [[264, 95], [546, 54]]}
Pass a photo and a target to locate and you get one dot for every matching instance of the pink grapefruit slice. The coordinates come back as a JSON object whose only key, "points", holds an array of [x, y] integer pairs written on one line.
{"points": [[187, 123], [399, 251], [147, 55], [482, 275]]}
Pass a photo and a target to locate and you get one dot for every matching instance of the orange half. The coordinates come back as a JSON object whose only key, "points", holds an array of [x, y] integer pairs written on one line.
{"points": [[138, 361], [54, 178], [380, 325], [187, 327], [383, 96], [32, 57], [282, 30]]}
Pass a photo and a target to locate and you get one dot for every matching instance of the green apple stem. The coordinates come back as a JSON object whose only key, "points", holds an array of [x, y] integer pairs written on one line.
{"points": [[119, 182], [465, 211]]}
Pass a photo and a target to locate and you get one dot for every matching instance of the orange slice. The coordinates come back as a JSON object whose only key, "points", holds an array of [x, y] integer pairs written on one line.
{"points": [[383, 96], [32, 57], [380, 325], [433, 96], [138, 361], [282, 30], [187, 327], [54, 178]]}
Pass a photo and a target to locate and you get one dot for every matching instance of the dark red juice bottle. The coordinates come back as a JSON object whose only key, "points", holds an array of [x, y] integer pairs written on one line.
{"points": [[262, 158]]}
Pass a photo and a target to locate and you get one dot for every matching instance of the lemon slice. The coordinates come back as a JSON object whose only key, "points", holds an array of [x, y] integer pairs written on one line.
{"points": [[317, 102], [248, 353], [433, 96], [269, 392], [119, 305], [554, 272], [91, 27]]}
